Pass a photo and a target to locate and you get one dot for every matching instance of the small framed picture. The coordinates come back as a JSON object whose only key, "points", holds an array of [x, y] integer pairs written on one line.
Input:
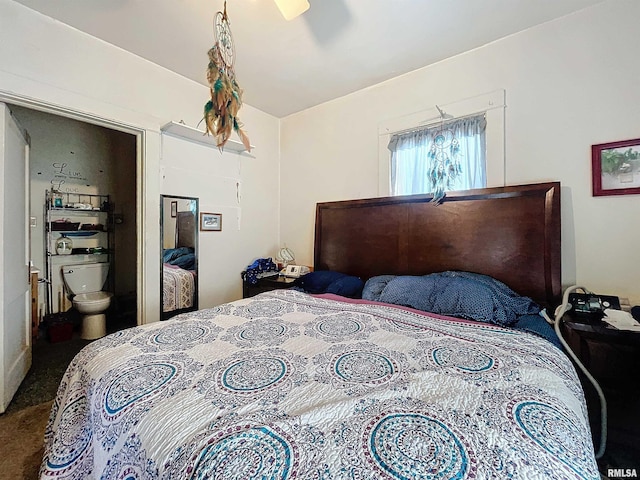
{"points": [[211, 222], [615, 168], [174, 209]]}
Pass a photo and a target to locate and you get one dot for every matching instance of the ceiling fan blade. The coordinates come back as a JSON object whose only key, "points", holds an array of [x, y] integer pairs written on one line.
{"points": [[290, 9]]}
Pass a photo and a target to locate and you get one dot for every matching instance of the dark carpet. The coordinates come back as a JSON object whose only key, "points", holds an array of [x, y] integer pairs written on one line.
{"points": [[50, 360], [23, 424]]}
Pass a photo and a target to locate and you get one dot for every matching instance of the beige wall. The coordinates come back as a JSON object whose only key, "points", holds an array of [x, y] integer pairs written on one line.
{"points": [[569, 84], [46, 62]]}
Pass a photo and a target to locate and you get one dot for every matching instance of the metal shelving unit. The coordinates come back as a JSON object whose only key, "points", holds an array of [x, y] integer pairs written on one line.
{"points": [[90, 229]]}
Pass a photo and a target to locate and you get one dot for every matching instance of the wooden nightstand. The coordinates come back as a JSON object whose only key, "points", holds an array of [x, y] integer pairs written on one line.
{"points": [[597, 345], [266, 284], [613, 358]]}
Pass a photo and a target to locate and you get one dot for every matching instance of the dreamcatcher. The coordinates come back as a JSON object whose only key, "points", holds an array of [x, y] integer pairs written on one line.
{"points": [[444, 164], [221, 112]]}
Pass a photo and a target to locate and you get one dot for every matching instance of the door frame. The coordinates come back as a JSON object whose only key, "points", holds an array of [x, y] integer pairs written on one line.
{"points": [[140, 134], [17, 365]]}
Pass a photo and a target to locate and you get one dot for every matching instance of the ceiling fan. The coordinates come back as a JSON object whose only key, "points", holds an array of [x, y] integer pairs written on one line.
{"points": [[290, 9]]}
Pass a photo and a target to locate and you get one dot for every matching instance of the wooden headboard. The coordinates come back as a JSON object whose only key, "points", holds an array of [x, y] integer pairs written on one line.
{"points": [[186, 229], [510, 233]]}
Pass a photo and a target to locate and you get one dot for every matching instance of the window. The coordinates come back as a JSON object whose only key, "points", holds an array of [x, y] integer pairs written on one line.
{"points": [[448, 156]]}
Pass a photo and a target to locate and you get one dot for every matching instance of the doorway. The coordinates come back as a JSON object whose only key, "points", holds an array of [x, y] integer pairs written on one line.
{"points": [[74, 157]]}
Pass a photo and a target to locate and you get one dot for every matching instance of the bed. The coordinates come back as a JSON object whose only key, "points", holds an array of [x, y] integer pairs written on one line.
{"points": [[178, 279], [292, 385], [179, 268]]}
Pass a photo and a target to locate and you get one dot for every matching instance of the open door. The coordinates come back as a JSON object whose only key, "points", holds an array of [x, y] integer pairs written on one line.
{"points": [[15, 324]]}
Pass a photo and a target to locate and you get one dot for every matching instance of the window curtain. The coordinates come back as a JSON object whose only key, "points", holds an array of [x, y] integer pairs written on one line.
{"points": [[449, 156]]}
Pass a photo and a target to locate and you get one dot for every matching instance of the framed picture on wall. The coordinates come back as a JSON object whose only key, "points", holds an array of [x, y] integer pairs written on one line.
{"points": [[174, 209], [211, 222], [615, 168]]}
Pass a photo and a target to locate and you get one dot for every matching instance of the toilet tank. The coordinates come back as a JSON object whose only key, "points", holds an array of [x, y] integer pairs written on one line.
{"points": [[85, 278]]}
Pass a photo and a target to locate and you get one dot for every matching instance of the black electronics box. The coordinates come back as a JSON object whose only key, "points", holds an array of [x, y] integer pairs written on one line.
{"points": [[590, 307]]}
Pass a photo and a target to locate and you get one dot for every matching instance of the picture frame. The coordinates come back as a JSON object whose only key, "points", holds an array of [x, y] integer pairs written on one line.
{"points": [[174, 209], [210, 222], [615, 168]]}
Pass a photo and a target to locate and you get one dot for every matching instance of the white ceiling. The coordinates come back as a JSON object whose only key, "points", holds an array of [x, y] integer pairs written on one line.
{"points": [[335, 48]]}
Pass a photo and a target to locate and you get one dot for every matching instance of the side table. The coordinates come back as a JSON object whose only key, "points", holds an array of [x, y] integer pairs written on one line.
{"points": [[613, 357], [266, 284]]}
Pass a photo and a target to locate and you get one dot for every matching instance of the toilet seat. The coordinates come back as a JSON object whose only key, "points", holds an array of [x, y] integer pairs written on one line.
{"points": [[92, 297]]}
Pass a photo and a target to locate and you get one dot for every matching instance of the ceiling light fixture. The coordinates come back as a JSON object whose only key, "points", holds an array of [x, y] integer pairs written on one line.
{"points": [[290, 9]]}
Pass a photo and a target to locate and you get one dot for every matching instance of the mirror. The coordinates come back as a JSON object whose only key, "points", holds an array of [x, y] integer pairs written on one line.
{"points": [[179, 238]]}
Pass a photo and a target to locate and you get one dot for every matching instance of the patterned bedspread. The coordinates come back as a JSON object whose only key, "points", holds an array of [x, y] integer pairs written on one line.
{"points": [[288, 385], [178, 287]]}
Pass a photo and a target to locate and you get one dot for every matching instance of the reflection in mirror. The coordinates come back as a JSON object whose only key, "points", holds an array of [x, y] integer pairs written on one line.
{"points": [[179, 237]]}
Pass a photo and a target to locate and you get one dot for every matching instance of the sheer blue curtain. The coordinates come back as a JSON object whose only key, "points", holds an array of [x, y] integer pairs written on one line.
{"points": [[449, 156]]}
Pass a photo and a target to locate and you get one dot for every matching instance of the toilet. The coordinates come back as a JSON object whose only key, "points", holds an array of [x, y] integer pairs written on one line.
{"points": [[85, 282]]}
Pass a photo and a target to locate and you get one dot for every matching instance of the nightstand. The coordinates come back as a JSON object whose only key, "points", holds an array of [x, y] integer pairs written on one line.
{"points": [[266, 284], [596, 345], [613, 358]]}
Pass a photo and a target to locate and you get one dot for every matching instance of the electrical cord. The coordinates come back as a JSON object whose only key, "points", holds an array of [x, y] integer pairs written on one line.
{"points": [[560, 311]]}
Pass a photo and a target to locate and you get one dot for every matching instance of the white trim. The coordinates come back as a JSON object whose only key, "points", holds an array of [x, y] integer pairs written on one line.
{"points": [[35, 104], [493, 103], [180, 130], [141, 213]]}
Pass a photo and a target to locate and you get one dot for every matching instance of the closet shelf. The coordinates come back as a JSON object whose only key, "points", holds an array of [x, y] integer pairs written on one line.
{"points": [[185, 131], [60, 255], [79, 233], [77, 211]]}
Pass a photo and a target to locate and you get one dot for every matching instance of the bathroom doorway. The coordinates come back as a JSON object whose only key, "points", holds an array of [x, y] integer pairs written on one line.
{"points": [[75, 157]]}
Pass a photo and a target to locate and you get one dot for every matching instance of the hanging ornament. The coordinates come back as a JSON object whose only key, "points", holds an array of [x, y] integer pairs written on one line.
{"points": [[444, 166], [221, 112]]}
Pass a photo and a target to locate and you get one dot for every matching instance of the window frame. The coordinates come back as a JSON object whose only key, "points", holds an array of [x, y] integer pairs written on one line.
{"points": [[492, 104]]}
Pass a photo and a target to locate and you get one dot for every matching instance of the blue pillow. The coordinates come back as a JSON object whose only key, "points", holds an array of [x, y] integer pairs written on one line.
{"points": [[186, 262], [327, 281], [375, 286], [172, 253], [347, 286], [318, 281], [459, 294]]}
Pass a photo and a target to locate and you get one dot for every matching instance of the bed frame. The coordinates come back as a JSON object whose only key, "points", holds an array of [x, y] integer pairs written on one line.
{"points": [[510, 233]]}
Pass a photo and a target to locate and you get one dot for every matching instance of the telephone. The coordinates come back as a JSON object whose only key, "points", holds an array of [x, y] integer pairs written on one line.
{"points": [[294, 271], [590, 307]]}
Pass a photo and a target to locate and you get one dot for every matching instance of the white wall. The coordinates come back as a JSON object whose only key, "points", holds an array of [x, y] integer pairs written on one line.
{"points": [[227, 187], [46, 61], [569, 84]]}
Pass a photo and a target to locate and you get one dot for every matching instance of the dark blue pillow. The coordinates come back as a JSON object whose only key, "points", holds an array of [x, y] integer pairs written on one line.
{"points": [[346, 286], [318, 281], [186, 262], [172, 253]]}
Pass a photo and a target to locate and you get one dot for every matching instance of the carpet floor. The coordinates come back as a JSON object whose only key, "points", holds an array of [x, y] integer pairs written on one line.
{"points": [[21, 441], [23, 424]]}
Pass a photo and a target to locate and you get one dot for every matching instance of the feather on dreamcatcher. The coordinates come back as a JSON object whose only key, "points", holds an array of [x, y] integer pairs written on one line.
{"points": [[221, 112]]}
